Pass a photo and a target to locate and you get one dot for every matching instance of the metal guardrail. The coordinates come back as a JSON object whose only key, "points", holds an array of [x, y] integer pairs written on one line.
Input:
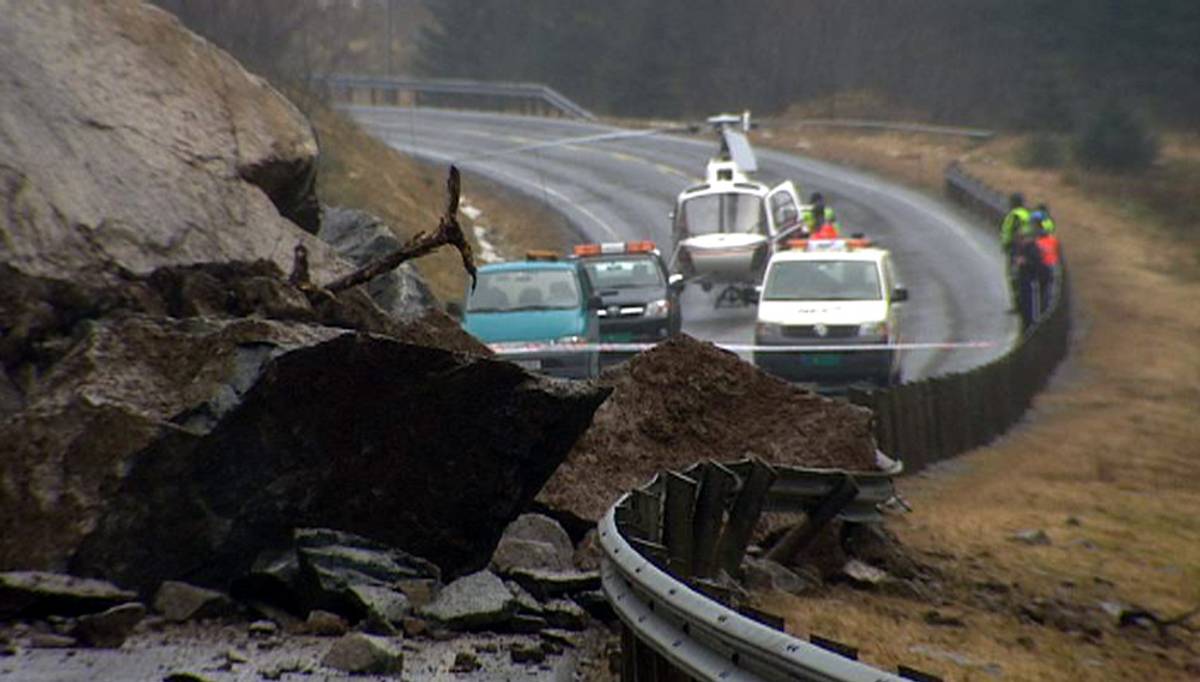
{"points": [[348, 84], [977, 133], [937, 418], [665, 542]]}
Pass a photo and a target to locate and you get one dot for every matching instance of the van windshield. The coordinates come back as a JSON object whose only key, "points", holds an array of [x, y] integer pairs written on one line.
{"points": [[624, 273], [512, 290], [823, 280], [726, 212]]}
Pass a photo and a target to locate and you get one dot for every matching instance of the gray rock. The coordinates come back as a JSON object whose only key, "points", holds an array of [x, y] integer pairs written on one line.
{"points": [[765, 574], [109, 629], [238, 481], [864, 573], [527, 652], [362, 238], [564, 614], [544, 584], [263, 628], [51, 640], [588, 554], [526, 623], [534, 541], [382, 603], [360, 654], [465, 662], [526, 603], [1031, 536], [419, 591], [564, 637], [144, 159], [325, 624], [473, 602], [178, 601], [37, 593]]}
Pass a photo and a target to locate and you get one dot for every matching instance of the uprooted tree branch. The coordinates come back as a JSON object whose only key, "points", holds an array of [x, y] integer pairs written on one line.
{"points": [[448, 233]]}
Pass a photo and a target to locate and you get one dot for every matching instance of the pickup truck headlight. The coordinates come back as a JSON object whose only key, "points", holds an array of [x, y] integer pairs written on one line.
{"points": [[659, 308], [874, 329], [574, 339], [767, 330]]}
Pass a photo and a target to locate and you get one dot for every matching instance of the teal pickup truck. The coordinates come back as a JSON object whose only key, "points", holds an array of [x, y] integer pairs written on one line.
{"points": [[539, 313]]}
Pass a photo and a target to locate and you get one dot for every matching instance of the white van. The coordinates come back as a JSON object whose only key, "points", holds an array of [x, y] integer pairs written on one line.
{"points": [[836, 292]]}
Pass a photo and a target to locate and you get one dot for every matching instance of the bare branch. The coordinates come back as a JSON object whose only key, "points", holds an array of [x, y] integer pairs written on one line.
{"points": [[448, 233]]}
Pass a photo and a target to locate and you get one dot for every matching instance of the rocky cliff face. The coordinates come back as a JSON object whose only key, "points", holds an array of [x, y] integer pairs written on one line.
{"points": [[127, 142]]}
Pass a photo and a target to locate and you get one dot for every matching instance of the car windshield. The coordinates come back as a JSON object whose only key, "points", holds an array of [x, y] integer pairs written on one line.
{"points": [[728, 212], [511, 290], [823, 280], [624, 273]]}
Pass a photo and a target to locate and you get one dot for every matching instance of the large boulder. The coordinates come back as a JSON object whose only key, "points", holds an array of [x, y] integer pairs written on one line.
{"points": [[361, 238], [128, 143], [162, 448]]}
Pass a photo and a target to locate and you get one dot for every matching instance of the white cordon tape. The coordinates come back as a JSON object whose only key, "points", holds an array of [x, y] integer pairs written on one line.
{"points": [[532, 348]]}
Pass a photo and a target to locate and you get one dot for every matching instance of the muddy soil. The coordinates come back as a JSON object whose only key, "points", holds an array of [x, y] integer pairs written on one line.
{"points": [[685, 401]]}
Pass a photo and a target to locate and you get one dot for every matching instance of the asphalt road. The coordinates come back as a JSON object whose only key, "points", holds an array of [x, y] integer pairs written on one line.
{"points": [[621, 189]]}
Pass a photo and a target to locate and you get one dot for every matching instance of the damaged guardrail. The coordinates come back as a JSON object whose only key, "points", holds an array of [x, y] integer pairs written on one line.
{"points": [[671, 545]]}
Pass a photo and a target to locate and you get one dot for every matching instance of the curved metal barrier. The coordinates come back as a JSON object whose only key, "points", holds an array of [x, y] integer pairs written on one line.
{"points": [[671, 545]]}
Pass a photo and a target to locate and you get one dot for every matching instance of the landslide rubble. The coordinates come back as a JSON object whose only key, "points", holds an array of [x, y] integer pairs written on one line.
{"points": [[687, 400]]}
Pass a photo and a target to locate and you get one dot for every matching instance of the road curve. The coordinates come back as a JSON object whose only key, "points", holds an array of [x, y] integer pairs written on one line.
{"points": [[623, 188]]}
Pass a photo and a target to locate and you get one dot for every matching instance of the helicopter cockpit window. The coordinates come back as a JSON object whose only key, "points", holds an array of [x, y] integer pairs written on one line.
{"points": [[727, 212]]}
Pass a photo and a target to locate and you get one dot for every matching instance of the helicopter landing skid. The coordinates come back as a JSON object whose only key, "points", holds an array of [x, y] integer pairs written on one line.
{"points": [[736, 296]]}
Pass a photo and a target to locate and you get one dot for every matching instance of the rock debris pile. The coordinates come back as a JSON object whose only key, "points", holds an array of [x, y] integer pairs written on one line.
{"points": [[687, 400]]}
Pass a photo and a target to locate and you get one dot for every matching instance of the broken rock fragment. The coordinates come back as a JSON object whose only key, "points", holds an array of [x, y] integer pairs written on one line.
{"points": [[473, 602], [361, 654]]}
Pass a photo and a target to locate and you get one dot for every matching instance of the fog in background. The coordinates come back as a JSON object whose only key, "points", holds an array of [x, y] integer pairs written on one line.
{"points": [[1028, 64]]}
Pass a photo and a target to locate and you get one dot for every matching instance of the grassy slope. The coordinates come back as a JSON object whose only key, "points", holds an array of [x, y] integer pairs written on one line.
{"points": [[1108, 464], [358, 171]]}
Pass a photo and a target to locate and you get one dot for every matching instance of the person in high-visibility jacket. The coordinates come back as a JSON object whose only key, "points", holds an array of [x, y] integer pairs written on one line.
{"points": [[1047, 222], [1051, 253], [818, 214], [1015, 222], [825, 231]]}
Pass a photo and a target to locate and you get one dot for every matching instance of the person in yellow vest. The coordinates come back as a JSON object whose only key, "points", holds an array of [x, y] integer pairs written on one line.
{"points": [[818, 214], [1015, 222], [1047, 222]]}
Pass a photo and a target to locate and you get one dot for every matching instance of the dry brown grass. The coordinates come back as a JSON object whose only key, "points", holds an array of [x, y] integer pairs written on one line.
{"points": [[359, 171], [1108, 463]]}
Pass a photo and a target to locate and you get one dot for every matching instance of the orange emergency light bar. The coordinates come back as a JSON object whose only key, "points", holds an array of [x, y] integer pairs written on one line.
{"points": [[641, 246], [816, 244]]}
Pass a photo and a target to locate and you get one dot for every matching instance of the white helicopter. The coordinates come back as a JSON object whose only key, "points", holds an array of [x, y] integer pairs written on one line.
{"points": [[726, 228]]}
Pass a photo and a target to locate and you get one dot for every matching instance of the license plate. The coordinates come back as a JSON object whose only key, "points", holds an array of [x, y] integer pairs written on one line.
{"points": [[528, 364], [820, 360]]}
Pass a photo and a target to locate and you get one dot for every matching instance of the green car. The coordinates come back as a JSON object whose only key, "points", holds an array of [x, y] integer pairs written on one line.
{"points": [[538, 313]]}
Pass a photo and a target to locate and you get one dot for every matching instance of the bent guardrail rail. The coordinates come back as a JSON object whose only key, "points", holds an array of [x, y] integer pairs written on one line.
{"points": [[667, 544], [347, 84]]}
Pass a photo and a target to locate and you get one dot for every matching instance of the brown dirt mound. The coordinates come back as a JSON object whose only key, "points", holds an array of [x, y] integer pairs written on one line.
{"points": [[685, 401]]}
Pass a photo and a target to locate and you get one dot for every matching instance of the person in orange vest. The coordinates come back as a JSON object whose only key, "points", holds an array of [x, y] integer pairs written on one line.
{"points": [[826, 231], [1051, 254]]}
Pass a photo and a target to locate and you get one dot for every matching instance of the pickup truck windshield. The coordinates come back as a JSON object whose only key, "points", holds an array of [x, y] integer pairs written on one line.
{"points": [[513, 290], [624, 273], [823, 280], [728, 212]]}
